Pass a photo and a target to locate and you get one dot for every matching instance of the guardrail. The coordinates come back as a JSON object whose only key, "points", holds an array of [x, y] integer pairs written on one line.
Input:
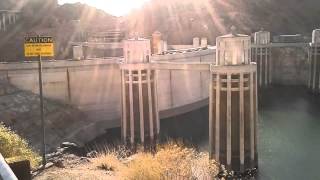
{"points": [[5, 171]]}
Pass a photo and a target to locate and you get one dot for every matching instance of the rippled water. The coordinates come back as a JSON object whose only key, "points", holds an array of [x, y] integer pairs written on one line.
{"points": [[289, 134]]}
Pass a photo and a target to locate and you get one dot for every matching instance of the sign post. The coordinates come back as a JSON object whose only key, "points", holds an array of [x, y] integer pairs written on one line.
{"points": [[37, 47], [44, 161]]}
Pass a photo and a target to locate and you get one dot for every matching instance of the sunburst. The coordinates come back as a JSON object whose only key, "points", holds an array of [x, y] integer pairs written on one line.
{"points": [[114, 7]]}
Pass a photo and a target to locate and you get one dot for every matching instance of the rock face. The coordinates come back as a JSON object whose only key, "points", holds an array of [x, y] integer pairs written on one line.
{"points": [[48, 18], [20, 111], [183, 20]]}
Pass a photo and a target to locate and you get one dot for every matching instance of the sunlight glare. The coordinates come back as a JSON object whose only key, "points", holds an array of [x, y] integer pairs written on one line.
{"points": [[114, 7]]}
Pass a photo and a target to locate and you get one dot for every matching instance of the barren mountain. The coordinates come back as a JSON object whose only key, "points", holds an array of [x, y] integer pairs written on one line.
{"points": [[178, 20], [64, 22], [182, 20]]}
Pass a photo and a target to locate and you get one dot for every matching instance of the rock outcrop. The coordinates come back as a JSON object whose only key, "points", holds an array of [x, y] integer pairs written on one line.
{"points": [[20, 111]]}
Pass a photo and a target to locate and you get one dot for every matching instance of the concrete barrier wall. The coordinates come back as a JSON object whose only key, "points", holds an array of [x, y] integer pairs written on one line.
{"points": [[55, 83], [94, 86], [180, 46], [91, 86], [207, 55], [179, 87]]}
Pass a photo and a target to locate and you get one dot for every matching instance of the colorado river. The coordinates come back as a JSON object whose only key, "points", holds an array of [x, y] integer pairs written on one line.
{"points": [[289, 133]]}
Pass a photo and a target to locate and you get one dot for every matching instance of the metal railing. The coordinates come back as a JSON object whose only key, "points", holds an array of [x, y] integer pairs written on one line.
{"points": [[5, 171]]}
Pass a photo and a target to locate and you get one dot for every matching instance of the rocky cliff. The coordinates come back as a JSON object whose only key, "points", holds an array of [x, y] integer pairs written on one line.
{"points": [[20, 111], [182, 20], [65, 23]]}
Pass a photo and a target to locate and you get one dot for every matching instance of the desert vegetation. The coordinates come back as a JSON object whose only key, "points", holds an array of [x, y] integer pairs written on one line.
{"points": [[14, 148], [170, 161]]}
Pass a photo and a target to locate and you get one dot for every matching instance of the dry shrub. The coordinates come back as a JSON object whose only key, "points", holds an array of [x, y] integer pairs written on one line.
{"points": [[108, 162], [175, 159], [143, 166], [14, 148], [203, 167], [171, 161]]}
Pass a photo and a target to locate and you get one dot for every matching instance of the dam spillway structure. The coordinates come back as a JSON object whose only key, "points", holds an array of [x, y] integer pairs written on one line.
{"points": [[314, 62], [233, 104], [261, 54], [140, 115]]}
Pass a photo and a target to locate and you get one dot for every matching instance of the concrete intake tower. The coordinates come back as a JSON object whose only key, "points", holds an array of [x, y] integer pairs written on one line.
{"points": [[314, 62], [261, 54], [140, 115], [233, 104]]}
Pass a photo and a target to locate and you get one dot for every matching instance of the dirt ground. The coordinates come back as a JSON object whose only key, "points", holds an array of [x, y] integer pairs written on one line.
{"points": [[75, 168]]}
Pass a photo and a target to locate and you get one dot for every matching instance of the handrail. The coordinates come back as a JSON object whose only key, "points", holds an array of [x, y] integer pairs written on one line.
{"points": [[5, 171]]}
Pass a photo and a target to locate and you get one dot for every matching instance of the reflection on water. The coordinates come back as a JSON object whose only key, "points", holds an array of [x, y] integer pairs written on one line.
{"points": [[289, 133]]}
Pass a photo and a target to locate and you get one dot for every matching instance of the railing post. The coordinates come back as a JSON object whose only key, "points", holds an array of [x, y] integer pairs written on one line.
{"points": [[5, 171]]}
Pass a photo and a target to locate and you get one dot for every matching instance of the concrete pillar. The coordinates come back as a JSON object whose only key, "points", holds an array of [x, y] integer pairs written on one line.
{"points": [[14, 18], [204, 42], [165, 46], [260, 66], [161, 47], [309, 68], [270, 65], [9, 17], [140, 115], [314, 62], [4, 21], [77, 52], [262, 56], [196, 42], [233, 104]]}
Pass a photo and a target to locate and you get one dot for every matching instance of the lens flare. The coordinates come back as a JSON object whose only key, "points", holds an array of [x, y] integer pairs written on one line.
{"points": [[114, 7]]}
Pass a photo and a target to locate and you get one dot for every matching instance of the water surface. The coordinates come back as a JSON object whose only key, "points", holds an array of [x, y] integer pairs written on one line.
{"points": [[289, 134]]}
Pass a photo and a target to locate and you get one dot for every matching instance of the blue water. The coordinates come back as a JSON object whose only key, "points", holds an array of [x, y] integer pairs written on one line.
{"points": [[289, 134]]}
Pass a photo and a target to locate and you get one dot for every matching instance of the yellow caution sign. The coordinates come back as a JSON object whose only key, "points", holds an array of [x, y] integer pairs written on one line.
{"points": [[35, 46]]}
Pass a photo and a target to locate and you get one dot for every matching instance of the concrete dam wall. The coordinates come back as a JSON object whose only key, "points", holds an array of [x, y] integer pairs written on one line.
{"points": [[92, 88]]}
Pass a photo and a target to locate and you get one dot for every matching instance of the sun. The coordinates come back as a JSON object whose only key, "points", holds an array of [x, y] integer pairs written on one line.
{"points": [[114, 7]]}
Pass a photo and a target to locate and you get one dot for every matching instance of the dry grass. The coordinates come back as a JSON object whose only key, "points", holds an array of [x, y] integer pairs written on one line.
{"points": [[108, 162], [203, 167], [14, 148], [176, 159], [143, 166], [172, 160]]}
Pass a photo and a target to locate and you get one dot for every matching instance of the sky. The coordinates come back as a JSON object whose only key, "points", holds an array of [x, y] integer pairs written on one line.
{"points": [[114, 7]]}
